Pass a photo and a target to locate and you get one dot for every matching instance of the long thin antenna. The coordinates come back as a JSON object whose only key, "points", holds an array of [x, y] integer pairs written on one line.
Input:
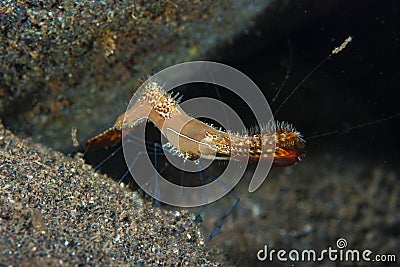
{"points": [[335, 51], [287, 73], [348, 129]]}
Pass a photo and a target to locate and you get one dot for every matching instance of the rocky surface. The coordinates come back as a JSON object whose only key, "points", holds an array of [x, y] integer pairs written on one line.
{"points": [[56, 211], [77, 63]]}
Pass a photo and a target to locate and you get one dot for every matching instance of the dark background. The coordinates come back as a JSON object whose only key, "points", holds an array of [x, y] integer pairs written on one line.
{"points": [[359, 85]]}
